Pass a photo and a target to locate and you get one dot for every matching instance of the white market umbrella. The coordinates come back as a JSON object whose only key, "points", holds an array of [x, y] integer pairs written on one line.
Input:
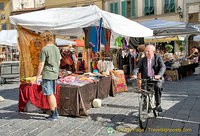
{"points": [[8, 37], [71, 21]]}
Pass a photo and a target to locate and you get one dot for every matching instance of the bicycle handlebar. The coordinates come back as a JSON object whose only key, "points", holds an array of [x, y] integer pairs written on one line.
{"points": [[150, 79]]}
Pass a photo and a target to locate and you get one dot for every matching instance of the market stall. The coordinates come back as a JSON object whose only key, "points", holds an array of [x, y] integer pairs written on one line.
{"points": [[72, 99], [179, 69], [76, 96]]}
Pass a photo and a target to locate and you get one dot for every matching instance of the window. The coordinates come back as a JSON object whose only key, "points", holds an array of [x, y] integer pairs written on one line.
{"points": [[3, 16], [149, 7], [1, 6], [169, 6], [193, 18], [124, 8], [3, 27], [114, 7], [133, 8], [130, 8]]}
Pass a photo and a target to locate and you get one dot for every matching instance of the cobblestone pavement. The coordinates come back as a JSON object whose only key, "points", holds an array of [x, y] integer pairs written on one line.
{"points": [[180, 102]]}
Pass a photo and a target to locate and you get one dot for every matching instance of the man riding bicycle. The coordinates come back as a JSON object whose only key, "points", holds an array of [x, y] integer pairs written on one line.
{"points": [[152, 65]]}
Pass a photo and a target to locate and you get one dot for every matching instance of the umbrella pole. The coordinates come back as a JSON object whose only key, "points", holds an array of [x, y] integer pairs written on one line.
{"points": [[88, 60], [11, 54]]}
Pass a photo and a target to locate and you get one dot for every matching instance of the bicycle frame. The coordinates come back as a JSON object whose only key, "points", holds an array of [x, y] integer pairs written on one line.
{"points": [[147, 101]]}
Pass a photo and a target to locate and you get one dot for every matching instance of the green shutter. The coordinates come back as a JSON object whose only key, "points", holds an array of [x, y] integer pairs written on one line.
{"points": [[116, 10], [145, 6], [111, 7], [124, 8], [133, 8], [149, 7], [169, 6], [172, 6]]}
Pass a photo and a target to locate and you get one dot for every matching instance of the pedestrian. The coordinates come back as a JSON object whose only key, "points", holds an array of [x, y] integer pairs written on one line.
{"points": [[140, 55], [152, 65], [195, 53], [49, 62]]}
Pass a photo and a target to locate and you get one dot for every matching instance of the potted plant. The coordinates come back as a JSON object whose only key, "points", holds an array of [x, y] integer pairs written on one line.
{"points": [[182, 49], [168, 47], [179, 43]]}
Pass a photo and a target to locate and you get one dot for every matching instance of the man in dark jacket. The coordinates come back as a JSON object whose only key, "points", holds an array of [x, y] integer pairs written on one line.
{"points": [[152, 65]]}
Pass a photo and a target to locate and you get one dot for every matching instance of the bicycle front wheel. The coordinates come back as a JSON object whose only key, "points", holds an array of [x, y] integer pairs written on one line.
{"points": [[143, 111]]}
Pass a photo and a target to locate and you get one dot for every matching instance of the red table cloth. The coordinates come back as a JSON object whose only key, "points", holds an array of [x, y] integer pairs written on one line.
{"points": [[34, 94]]}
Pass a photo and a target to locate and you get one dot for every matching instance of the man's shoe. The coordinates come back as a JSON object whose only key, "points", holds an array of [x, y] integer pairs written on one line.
{"points": [[51, 117], [159, 108]]}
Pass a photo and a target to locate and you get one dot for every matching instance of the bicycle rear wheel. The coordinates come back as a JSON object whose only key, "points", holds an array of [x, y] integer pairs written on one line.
{"points": [[143, 111]]}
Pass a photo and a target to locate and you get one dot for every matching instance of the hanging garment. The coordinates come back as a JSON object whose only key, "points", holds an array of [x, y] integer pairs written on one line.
{"points": [[66, 58], [87, 32], [105, 66], [81, 65], [97, 35], [134, 42], [118, 41], [119, 60], [107, 34], [124, 42], [131, 62]]}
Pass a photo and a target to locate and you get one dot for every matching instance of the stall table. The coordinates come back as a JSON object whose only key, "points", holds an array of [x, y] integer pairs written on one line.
{"points": [[177, 73], [72, 100]]}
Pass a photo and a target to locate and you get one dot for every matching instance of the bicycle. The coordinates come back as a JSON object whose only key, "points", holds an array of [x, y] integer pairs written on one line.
{"points": [[147, 101]]}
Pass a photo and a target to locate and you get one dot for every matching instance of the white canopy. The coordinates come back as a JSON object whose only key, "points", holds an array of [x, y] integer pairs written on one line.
{"points": [[8, 37], [70, 21]]}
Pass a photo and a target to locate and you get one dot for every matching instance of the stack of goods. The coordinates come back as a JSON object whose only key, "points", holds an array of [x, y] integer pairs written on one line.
{"points": [[80, 80], [76, 80], [30, 80], [185, 62], [64, 73]]}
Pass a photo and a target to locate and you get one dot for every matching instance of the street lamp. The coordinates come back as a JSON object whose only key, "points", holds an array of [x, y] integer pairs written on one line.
{"points": [[179, 11]]}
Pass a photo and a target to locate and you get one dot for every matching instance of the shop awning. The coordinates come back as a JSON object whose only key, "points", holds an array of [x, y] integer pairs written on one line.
{"points": [[196, 38], [166, 28], [70, 21], [161, 39]]}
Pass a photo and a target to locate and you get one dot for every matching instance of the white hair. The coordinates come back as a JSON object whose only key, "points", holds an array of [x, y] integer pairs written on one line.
{"points": [[152, 47]]}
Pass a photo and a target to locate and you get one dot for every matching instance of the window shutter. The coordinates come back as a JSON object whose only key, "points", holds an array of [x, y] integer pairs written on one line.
{"points": [[124, 8], [111, 7], [133, 8], [172, 6], [116, 8]]}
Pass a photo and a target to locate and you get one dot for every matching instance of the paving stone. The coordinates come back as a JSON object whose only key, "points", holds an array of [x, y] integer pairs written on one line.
{"points": [[76, 132], [93, 130], [86, 125], [181, 110]]}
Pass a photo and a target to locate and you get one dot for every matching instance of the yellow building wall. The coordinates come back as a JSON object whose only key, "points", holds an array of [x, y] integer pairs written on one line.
{"points": [[6, 11], [71, 3]]}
